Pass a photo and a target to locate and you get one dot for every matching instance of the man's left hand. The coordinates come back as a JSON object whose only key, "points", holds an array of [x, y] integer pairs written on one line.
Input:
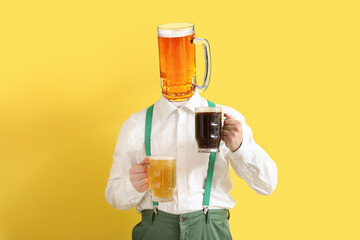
{"points": [[232, 133]]}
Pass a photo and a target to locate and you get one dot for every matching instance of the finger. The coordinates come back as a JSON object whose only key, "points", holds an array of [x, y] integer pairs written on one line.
{"points": [[231, 127], [237, 127], [230, 121], [230, 134], [227, 139], [142, 182], [232, 130], [139, 169], [143, 188], [139, 176], [144, 185], [226, 133], [228, 116], [145, 161]]}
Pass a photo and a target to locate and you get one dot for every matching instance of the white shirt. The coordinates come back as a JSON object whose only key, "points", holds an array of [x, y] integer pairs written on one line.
{"points": [[173, 133]]}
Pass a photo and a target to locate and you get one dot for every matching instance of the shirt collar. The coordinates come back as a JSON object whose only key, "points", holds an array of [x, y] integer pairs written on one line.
{"points": [[193, 102], [166, 108]]}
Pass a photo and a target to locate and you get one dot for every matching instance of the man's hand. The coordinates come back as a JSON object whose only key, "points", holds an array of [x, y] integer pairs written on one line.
{"points": [[139, 176], [232, 133]]}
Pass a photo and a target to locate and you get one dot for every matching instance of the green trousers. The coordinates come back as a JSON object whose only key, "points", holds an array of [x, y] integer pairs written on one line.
{"points": [[189, 226]]}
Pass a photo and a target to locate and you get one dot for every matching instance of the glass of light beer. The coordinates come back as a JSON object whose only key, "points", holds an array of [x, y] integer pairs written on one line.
{"points": [[177, 61], [162, 177]]}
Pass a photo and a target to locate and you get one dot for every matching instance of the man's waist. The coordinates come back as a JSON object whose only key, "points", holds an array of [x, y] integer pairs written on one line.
{"points": [[214, 214]]}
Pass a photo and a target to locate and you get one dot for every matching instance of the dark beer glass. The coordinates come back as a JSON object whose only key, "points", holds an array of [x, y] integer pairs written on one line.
{"points": [[208, 128]]}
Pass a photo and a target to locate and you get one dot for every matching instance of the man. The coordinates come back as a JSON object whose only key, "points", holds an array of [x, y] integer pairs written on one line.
{"points": [[173, 132]]}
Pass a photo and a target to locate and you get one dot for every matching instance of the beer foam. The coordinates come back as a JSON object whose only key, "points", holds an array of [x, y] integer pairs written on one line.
{"points": [[162, 157], [172, 30], [208, 109]]}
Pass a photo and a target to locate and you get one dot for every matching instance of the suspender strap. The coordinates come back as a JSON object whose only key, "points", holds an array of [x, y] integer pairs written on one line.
{"points": [[148, 124], [211, 104], [209, 177], [149, 114], [210, 172]]}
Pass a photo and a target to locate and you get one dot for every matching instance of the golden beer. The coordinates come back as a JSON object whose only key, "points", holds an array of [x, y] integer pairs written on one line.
{"points": [[162, 177], [177, 61]]}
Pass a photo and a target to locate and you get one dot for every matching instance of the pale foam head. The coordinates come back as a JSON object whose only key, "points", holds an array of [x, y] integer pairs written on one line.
{"points": [[208, 109], [171, 30], [162, 157]]}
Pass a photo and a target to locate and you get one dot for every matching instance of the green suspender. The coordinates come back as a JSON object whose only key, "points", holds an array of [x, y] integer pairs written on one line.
{"points": [[210, 172], [149, 114], [209, 177]]}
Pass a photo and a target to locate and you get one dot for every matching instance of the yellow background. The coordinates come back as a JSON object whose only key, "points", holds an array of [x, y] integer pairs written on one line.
{"points": [[71, 72]]}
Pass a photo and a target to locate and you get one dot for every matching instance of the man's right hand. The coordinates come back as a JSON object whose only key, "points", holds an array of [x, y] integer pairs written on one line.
{"points": [[139, 175]]}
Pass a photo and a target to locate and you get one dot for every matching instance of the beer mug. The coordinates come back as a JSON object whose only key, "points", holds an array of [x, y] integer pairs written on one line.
{"points": [[162, 177], [177, 61], [208, 125]]}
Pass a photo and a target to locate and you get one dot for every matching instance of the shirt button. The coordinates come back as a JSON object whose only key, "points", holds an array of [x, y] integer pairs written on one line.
{"points": [[181, 219]]}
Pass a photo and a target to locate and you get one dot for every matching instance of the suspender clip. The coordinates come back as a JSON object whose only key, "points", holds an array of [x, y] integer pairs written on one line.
{"points": [[155, 212], [206, 213], [206, 209], [155, 209]]}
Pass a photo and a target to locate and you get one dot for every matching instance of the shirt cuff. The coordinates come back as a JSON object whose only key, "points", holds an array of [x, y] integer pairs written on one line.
{"points": [[131, 190], [243, 154]]}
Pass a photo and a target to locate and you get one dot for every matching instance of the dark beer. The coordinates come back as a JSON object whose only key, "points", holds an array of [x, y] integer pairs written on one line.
{"points": [[208, 129]]}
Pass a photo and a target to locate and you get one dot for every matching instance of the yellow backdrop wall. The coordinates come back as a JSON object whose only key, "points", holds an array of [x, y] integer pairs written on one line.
{"points": [[71, 72]]}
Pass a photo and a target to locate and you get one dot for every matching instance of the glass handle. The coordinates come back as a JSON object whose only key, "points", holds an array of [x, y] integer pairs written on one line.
{"points": [[206, 47]]}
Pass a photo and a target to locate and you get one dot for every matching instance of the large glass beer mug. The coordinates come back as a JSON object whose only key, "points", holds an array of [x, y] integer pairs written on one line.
{"points": [[162, 177], [177, 61]]}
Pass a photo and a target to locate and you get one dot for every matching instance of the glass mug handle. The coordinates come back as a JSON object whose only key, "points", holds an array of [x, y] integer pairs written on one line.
{"points": [[206, 47], [148, 169]]}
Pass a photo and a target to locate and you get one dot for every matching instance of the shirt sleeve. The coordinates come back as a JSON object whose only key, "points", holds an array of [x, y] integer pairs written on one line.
{"points": [[253, 164], [119, 191]]}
